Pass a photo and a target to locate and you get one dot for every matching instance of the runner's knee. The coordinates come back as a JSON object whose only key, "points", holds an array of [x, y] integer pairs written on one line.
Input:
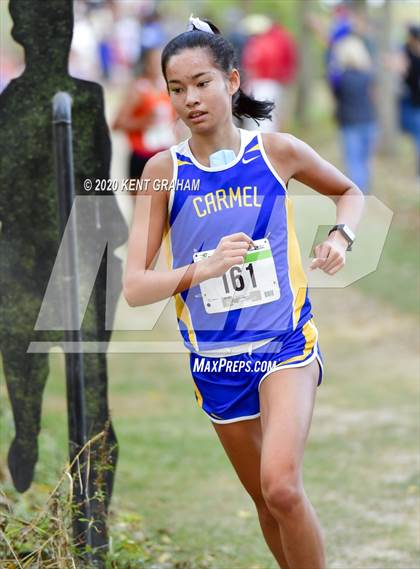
{"points": [[282, 494]]}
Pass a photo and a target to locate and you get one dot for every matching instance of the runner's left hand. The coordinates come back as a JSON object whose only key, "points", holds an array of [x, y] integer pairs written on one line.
{"points": [[330, 256]]}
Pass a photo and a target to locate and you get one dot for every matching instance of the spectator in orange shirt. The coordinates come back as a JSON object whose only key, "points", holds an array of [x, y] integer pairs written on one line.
{"points": [[146, 114]]}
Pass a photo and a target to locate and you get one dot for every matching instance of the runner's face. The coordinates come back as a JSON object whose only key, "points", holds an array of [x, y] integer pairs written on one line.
{"points": [[200, 93]]}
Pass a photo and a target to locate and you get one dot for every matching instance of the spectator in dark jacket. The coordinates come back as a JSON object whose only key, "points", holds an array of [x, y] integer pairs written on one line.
{"points": [[355, 109], [410, 97]]}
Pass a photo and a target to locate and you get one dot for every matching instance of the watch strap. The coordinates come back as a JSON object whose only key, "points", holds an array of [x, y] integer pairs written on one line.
{"points": [[340, 227]]}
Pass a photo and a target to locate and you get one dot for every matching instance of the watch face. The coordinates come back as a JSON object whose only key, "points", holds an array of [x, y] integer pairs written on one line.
{"points": [[348, 232]]}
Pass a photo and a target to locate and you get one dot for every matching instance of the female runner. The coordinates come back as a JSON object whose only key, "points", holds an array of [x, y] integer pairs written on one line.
{"points": [[240, 291]]}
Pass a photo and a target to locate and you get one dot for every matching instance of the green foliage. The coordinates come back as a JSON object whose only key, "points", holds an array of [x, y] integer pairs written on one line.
{"points": [[40, 535], [36, 532]]}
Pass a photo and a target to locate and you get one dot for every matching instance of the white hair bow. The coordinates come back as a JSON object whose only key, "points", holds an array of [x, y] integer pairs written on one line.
{"points": [[197, 24]]}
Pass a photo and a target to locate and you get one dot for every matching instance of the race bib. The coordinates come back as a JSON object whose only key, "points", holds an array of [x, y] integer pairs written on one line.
{"points": [[253, 283]]}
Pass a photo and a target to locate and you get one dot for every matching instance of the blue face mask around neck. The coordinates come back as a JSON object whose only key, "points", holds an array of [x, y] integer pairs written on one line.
{"points": [[221, 158]]}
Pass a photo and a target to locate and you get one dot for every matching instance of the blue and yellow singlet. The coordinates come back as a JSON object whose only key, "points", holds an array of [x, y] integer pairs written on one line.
{"points": [[268, 295]]}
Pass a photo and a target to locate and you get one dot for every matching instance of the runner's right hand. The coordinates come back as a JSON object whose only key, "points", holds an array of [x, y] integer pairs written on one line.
{"points": [[230, 251]]}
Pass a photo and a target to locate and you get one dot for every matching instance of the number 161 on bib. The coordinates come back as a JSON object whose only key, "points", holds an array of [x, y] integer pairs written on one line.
{"points": [[253, 283]]}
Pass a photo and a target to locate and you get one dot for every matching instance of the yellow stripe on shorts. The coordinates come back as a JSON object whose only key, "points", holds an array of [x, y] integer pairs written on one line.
{"points": [[199, 396], [310, 333]]}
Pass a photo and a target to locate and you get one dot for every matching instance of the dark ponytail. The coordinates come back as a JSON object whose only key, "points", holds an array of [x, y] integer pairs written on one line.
{"points": [[224, 57], [244, 105]]}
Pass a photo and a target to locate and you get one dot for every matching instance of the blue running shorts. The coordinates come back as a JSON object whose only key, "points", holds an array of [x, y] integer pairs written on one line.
{"points": [[227, 388]]}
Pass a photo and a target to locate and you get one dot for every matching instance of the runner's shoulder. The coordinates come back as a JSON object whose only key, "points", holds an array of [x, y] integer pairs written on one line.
{"points": [[286, 152], [281, 145], [159, 166]]}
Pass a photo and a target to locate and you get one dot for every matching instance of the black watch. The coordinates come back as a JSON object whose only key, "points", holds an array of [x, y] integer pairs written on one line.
{"points": [[346, 232]]}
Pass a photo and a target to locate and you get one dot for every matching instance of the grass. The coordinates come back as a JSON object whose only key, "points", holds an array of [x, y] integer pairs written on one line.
{"points": [[173, 477]]}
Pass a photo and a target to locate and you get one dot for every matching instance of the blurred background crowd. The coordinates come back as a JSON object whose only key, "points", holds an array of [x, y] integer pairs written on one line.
{"points": [[357, 61]]}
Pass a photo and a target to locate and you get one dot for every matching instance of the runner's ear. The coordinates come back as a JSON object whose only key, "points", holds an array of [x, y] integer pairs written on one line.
{"points": [[234, 81]]}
